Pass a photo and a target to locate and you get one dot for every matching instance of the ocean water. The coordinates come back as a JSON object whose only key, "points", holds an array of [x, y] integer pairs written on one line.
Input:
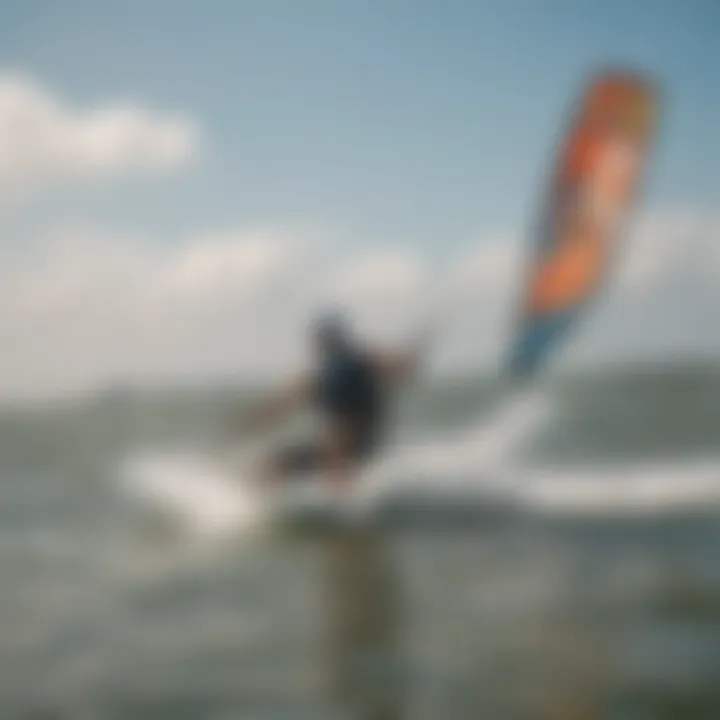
{"points": [[574, 603]]}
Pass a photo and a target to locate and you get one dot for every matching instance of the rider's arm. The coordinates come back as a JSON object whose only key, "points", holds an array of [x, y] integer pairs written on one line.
{"points": [[401, 366], [396, 366], [275, 407]]}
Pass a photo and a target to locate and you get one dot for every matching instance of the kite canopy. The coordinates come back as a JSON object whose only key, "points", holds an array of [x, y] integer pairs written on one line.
{"points": [[594, 185]]}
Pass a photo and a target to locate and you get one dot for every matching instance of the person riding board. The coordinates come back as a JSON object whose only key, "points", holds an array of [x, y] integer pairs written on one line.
{"points": [[349, 388]]}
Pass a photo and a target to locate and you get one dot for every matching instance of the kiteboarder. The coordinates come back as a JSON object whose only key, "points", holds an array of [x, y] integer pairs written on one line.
{"points": [[349, 388]]}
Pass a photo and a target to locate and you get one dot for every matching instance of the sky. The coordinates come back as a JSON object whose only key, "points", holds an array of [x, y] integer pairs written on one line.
{"points": [[184, 183]]}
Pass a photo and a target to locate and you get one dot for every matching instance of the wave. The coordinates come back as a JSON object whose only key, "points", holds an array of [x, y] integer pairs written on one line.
{"points": [[479, 467]]}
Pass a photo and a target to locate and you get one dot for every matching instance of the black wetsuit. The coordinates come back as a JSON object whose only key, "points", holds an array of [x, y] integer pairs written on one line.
{"points": [[348, 392]]}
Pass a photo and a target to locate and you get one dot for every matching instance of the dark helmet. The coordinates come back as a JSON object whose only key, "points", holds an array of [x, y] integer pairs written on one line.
{"points": [[330, 329]]}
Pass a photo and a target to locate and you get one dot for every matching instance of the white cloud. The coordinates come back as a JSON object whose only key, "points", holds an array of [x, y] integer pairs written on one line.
{"points": [[661, 245], [663, 296], [383, 290], [489, 267], [45, 141], [386, 276], [85, 307]]}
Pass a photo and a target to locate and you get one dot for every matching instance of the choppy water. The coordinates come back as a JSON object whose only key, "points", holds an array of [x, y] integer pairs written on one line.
{"points": [[105, 613]]}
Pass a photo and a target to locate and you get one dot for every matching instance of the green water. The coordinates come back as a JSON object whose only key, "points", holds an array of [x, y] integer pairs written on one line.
{"points": [[105, 615]]}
